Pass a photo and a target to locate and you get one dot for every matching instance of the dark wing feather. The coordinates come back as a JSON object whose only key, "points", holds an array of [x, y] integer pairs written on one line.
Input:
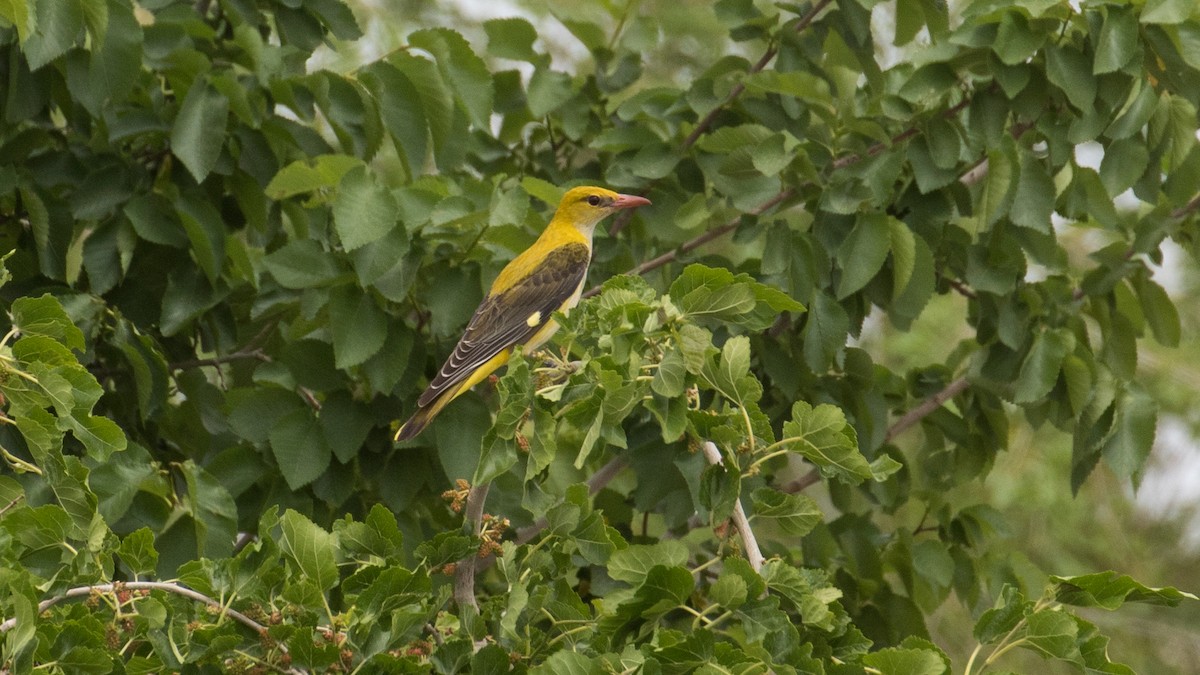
{"points": [[502, 320]]}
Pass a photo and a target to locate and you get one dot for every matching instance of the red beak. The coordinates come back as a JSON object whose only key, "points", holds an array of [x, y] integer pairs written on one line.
{"points": [[629, 202]]}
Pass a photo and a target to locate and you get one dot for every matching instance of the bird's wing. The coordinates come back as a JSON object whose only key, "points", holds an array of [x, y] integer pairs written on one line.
{"points": [[513, 316]]}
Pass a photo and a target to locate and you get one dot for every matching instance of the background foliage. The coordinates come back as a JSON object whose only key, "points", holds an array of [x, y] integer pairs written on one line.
{"points": [[882, 253]]}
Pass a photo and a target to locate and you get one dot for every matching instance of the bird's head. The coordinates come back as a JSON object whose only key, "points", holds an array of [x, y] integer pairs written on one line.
{"points": [[585, 206]]}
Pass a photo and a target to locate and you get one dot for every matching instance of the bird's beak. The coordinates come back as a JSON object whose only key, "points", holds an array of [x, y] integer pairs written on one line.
{"points": [[629, 202]]}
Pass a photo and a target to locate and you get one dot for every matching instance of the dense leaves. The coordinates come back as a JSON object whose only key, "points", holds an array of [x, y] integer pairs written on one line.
{"points": [[227, 272]]}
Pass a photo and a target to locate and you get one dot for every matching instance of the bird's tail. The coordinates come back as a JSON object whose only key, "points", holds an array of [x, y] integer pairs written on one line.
{"points": [[425, 414]]}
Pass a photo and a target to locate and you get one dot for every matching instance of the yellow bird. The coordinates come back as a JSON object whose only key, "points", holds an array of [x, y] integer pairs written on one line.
{"points": [[548, 277]]}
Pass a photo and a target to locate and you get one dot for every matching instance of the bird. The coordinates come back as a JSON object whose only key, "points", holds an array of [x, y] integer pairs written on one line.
{"points": [[547, 277]]}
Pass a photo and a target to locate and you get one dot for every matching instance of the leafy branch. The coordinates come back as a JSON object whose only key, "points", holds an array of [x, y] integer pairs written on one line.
{"points": [[707, 121], [166, 586]]}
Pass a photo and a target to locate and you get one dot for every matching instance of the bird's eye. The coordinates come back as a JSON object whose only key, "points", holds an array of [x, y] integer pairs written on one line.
{"points": [[593, 200]]}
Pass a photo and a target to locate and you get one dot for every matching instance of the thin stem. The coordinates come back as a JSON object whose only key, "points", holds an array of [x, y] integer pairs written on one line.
{"points": [[740, 521], [765, 458], [971, 661], [16, 500], [17, 463], [1004, 650], [749, 427]]}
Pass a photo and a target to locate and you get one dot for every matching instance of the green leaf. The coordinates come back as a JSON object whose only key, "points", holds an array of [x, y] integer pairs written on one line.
{"points": [[1159, 310], [822, 436], [809, 590], [1071, 70], [101, 437], [897, 661], [1127, 449], [707, 291], [199, 129], [1040, 369], [1001, 184], [548, 91], [1109, 590], [311, 549], [1167, 11], [718, 294], [466, 72], [537, 188], [1016, 40], [213, 512], [402, 111], [44, 315], [1053, 634], [633, 564], [345, 424], [54, 30], [299, 447], [322, 173], [302, 263], [671, 376], [1033, 202], [206, 233], [904, 256], [511, 39], [564, 662], [863, 253], [1124, 163], [137, 552], [363, 211], [825, 332], [796, 514], [1118, 40]]}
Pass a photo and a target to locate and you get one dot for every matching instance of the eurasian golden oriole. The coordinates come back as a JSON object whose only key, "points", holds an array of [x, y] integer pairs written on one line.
{"points": [[547, 277]]}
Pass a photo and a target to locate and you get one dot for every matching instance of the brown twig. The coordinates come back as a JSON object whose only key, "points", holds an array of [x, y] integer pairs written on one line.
{"points": [[804, 482], [961, 288], [926, 407], [464, 571], [753, 554], [1186, 209]]}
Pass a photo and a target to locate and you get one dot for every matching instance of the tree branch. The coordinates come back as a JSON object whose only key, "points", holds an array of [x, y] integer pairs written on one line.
{"points": [[1186, 209], [169, 587], [596, 483], [926, 408], [803, 482], [699, 240], [901, 425], [464, 571], [753, 555]]}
